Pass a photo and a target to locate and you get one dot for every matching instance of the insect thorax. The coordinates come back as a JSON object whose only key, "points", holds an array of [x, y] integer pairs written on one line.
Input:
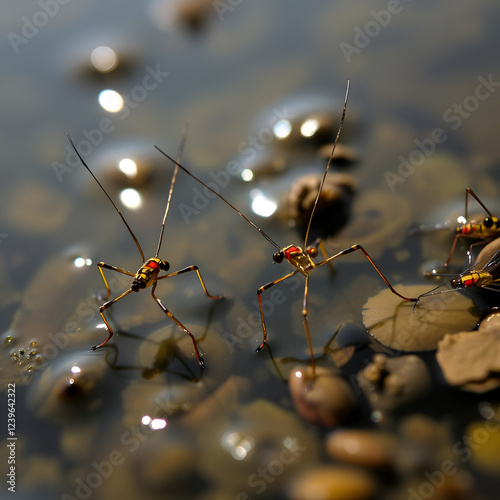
{"points": [[475, 278], [299, 258], [147, 274]]}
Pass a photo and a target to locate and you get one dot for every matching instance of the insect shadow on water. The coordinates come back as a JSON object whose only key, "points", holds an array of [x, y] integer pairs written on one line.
{"points": [[148, 273], [344, 353], [168, 353], [301, 258]]}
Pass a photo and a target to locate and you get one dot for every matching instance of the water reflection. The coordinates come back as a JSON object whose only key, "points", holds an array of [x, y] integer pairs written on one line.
{"points": [[261, 205], [131, 198], [309, 127], [104, 59], [128, 167], [237, 445], [80, 262], [247, 175], [110, 100], [282, 129]]}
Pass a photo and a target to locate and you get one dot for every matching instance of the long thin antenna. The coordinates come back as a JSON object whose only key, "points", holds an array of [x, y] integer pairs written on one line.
{"points": [[327, 166], [179, 154], [109, 198], [268, 238]]}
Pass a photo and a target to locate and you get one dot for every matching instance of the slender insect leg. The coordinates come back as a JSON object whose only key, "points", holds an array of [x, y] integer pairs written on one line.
{"points": [[306, 325], [173, 318], [468, 192], [259, 292], [353, 248], [102, 265], [452, 249], [475, 244], [319, 244], [101, 312], [189, 269]]}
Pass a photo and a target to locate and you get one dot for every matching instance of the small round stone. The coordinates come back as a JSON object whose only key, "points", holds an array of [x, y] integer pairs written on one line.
{"points": [[332, 482], [327, 399], [372, 449]]}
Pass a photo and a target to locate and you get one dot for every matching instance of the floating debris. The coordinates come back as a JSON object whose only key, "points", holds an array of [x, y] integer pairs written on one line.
{"points": [[471, 359], [402, 326]]}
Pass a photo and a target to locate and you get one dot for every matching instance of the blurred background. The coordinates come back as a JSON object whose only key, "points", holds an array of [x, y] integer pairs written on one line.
{"points": [[121, 77]]}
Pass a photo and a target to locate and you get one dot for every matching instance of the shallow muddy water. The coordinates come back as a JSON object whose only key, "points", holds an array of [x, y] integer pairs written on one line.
{"points": [[138, 418]]}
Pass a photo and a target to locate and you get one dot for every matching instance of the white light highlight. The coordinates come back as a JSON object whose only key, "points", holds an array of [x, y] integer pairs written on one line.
{"points": [[237, 445], [247, 175], [309, 127], [110, 100], [157, 424], [75, 369], [282, 129], [80, 262], [104, 59], [131, 198], [261, 205], [128, 167]]}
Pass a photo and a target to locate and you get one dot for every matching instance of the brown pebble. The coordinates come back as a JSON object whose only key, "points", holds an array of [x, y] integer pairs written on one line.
{"points": [[332, 482], [365, 448], [328, 399]]}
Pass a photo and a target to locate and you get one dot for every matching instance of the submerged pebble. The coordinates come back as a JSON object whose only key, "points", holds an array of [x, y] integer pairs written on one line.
{"points": [[260, 447], [304, 192], [70, 387], [389, 383], [333, 482], [327, 399], [484, 439], [373, 449]]}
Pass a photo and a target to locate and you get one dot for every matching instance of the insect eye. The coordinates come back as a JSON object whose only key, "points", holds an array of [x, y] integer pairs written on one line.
{"points": [[278, 257], [488, 222], [312, 252], [164, 265]]}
